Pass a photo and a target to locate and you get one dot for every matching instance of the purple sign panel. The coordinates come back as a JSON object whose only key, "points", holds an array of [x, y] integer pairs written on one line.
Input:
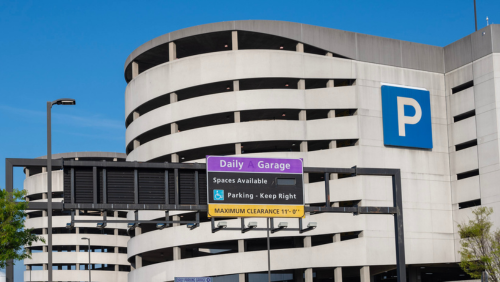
{"points": [[258, 165]]}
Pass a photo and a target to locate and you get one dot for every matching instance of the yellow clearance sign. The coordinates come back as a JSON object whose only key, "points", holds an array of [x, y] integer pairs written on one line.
{"points": [[232, 210]]}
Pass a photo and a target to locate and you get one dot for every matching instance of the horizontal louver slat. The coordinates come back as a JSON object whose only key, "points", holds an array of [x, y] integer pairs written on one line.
{"points": [[151, 186]]}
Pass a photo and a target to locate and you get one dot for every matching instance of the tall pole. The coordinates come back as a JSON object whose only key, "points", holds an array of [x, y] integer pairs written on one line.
{"points": [[268, 254], [49, 192], [475, 14]]}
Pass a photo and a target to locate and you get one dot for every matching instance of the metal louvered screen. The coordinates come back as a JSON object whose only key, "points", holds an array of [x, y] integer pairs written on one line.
{"points": [[67, 185], [186, 187], [152, 186], [119, 185], [84, 185], [171, 187], [202, 186]]}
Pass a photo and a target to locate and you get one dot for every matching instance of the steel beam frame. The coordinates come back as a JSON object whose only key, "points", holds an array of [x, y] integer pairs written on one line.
{"points": [[396, 210]]}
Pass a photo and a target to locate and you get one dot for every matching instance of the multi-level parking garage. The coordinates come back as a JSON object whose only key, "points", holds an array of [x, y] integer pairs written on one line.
{"points": [[289, 90], [108, 246], [280, 89]]}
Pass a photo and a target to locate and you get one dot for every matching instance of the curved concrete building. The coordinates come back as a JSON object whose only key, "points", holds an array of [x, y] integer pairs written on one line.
{"points": [[290, 90], [70, 253]]}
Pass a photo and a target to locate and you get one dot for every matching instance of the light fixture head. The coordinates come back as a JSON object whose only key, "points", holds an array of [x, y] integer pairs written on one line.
{"points": [[160, 226], [101, 225], [85, 238], [131, 225], [252, 224], [281, 47], [312, 225], [222, 224], [283, 115], [226, 46], [70, 225], [64, 101], [283, 225], [286, 85]]}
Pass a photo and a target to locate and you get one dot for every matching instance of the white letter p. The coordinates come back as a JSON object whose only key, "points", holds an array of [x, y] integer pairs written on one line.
{"points": [[402, 119]]}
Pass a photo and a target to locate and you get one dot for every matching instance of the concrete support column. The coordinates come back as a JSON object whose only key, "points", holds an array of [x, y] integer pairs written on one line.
{"points": [[333, 144], [241, 246], [308, 272], [44, 169], [44, 213], [234, 39], [308, 275], [176, 218], [138, 261], [172, 51], [337, 274], [300, 47], [173, 98], [177, 250], [174, 127], [77, 247], [45, 266], [329, 83], [364, 274], [135, 69], [27, 172], [175, 158], [137, 144], [241, 249], [301, 84]]}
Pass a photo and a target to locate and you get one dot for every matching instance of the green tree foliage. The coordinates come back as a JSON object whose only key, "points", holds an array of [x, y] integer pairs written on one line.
{"points": [[480, 249], [13, 236]]}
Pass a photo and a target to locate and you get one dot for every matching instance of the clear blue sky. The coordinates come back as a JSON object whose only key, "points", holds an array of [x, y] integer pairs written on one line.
{"points": [[77, 49]]}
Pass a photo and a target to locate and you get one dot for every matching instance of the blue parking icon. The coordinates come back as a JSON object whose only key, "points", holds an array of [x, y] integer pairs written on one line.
{"points": [[219, 195], [406, 117]]}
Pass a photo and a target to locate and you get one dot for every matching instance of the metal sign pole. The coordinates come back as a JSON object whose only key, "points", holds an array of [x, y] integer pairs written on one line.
{"points": [[268, 254]]}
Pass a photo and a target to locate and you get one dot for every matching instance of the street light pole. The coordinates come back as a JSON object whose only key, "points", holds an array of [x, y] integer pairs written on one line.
{"points": [[65, 101], [85, 238]]}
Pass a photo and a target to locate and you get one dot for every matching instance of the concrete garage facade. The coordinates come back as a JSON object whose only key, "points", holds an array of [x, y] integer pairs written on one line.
{"points": [[70, 253], [281, 89]]}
